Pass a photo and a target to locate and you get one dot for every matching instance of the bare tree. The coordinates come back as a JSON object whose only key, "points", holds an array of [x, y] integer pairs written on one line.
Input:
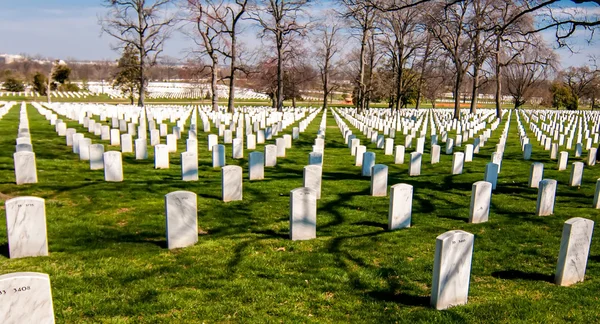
{"points": [[328, 47], [505, 28], [429, 54], [447, 24], [401, 30], [579, 80], [143, 24], [361, 16], [230, 21], [206, 33], [481, 44], [280, 20], [531, 67], [436, 79]]}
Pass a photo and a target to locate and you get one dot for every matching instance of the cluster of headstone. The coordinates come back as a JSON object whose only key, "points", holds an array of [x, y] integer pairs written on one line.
{"points": [[26, 217], [411, 123]]}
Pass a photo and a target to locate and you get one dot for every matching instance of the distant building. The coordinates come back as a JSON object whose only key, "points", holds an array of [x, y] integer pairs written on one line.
{"points": [[9, 58]]}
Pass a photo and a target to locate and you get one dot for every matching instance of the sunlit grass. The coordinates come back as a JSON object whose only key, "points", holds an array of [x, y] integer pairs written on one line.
{"points": [[108, 261]]}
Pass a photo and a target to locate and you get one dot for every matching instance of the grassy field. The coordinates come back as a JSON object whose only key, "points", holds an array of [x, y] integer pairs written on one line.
{"points": [[108, 260]]}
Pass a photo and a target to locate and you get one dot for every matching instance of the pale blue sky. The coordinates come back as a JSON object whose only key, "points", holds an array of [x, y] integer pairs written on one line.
{"points": [[69, 29]]}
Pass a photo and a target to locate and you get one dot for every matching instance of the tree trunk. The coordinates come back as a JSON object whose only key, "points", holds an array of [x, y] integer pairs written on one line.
{"points": [[142, 87], [399, 75], [475, 90], [457, 85], [279, 95], [423, 67], [213, 82], [360, 100], [498, 81], [325, 79], [230, 101]]}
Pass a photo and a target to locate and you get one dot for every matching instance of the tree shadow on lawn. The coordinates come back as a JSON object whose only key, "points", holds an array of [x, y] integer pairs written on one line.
{"points": [[348, 262], [522, 275]]}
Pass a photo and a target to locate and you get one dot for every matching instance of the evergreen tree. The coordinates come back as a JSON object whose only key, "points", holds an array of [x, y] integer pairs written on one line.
{"points": [[128, 74]]}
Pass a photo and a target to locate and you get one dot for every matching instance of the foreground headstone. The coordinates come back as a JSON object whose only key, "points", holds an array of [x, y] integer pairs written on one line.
{"points": [[536, 174], [469, 153], [574, 251], [126, 143], [84, 149], [237, 148], [458, 160], [270, 155], [576, 174], [491, 174], [161, 156], [115, 137], [280, 144], [368, 163], [315, 158], [189, 166], [435, 154], [303, 214], [452, 269], [96, 157], [597, 195], [527, 152], [415, 164], [181, 208], [591, 159], [25, 168], [141, 149], [312, 178], [359, 155], [481, 196], [26, 298], [218, 156], [212, 141], [26, 227], [379, 180], [400, 210], [172, 143], [231, 180], [113, 166], [546, 195], [399, 154], [562, 161], [256, 168]]}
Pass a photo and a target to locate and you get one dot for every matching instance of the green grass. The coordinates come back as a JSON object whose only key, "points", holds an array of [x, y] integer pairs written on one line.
{"points": [[108, 262]]}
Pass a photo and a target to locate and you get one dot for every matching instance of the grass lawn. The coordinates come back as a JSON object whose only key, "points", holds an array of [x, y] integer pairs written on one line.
{"points": [[108, 260]]}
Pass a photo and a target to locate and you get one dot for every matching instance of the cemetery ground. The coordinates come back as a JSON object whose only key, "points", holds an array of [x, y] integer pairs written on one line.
{"points": [[108, 259]]}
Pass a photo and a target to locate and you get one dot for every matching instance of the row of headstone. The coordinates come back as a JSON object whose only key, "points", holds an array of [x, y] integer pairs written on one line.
{"points": [[24, 157]]}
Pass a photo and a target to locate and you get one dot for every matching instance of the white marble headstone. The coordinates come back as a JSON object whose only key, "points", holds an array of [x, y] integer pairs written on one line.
{"points": [[574, 251], [400, 210], [182, 219], [303, 214], [231, 182], [26, 227], [25, 297], [452, 269], [25, 168]]}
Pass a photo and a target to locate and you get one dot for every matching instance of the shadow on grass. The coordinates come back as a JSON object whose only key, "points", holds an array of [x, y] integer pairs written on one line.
{"points": [[401, 298], [4, 250], [373, 224], [518, 274]]}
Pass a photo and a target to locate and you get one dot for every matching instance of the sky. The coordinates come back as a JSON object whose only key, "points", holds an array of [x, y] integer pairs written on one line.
{"points": [[69, 29]]}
